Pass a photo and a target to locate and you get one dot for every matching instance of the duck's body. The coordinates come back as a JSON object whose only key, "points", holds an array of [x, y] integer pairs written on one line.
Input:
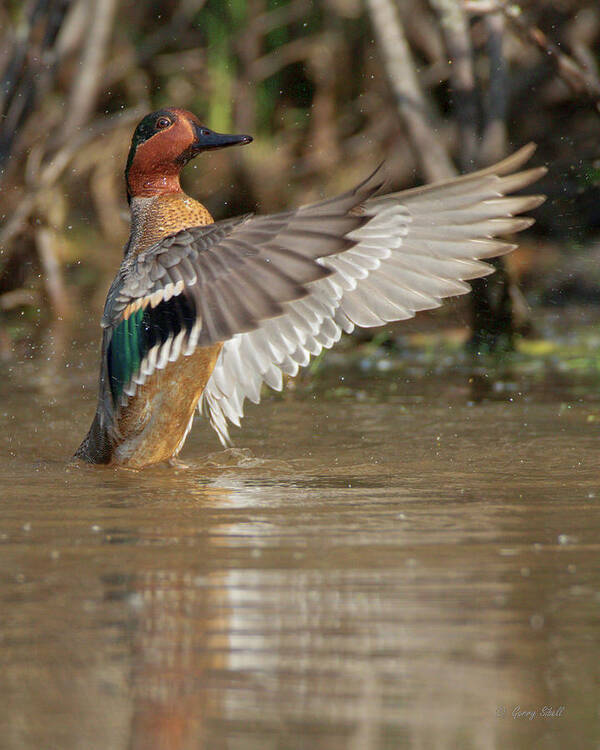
{"points": [[158, 416], [205, 312]]}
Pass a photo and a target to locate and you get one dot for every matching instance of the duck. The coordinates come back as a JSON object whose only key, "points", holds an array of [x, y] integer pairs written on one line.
{"points": [[203, 313]]}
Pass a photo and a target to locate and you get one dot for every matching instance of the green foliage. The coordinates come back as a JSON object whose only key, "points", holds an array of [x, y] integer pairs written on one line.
{"points": [[221, 70], [590, 176]]}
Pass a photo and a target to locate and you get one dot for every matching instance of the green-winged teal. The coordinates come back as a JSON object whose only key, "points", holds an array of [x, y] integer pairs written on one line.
{"points": [[203, 313]]}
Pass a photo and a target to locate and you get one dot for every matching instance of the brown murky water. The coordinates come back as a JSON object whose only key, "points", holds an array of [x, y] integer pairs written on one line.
{"points": [[395, 567]]}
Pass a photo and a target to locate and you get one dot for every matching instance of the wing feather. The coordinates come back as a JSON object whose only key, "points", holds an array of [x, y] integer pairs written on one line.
{"points": [[417, 247], [208, 284]]}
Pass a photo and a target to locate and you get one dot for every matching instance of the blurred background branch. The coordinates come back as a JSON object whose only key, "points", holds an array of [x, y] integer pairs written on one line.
{"points": [[328, 88], [421, 122]]}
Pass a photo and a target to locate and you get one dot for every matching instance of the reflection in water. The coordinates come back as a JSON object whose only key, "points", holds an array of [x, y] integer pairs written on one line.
{"points": [[173, 657], [365, 573], [362, 639], [176, 642]]}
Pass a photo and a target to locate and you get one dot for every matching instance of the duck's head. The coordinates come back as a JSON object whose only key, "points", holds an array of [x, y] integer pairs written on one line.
{"points": [[163, 143]]}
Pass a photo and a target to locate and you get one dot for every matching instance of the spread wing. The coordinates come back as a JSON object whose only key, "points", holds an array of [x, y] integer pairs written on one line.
{"points": [[208, 284], [416, 247]]}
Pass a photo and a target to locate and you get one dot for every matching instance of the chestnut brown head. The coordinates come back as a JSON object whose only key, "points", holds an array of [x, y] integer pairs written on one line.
{"points": [[162, 144]]}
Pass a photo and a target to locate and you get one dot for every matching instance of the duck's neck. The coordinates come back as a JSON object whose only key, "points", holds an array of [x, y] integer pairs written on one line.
{"points": [[158, 216]]}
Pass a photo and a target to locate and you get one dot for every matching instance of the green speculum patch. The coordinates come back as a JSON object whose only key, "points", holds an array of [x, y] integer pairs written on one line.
{"points": [[125, 352], [144, 329]]}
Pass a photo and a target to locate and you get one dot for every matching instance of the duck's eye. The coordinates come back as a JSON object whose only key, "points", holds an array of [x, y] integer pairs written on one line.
{"points": [[204, 131], [162, 123]]}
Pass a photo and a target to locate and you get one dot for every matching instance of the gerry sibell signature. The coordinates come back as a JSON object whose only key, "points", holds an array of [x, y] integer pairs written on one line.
{"points": [[545, 712]]}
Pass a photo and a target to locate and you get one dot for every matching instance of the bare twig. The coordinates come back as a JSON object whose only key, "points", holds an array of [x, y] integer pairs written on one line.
{"points": [[51, 172], [45, 242], [294, 51], [433, 157], [18, 298], [86, 86], [494, 142], [28, 69], [177, 28], [455, 29], [580, 80], [263, 23]]}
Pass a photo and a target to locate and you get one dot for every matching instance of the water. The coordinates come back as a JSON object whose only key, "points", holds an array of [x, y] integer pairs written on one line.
{"points": [[390, 565]]}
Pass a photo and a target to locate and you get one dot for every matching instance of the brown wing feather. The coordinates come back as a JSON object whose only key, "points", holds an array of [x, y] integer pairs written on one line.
{"points": [[269, 259]]}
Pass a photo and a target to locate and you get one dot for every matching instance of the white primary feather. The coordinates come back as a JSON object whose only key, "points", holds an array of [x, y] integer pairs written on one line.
{"points": [[419, 247]]}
